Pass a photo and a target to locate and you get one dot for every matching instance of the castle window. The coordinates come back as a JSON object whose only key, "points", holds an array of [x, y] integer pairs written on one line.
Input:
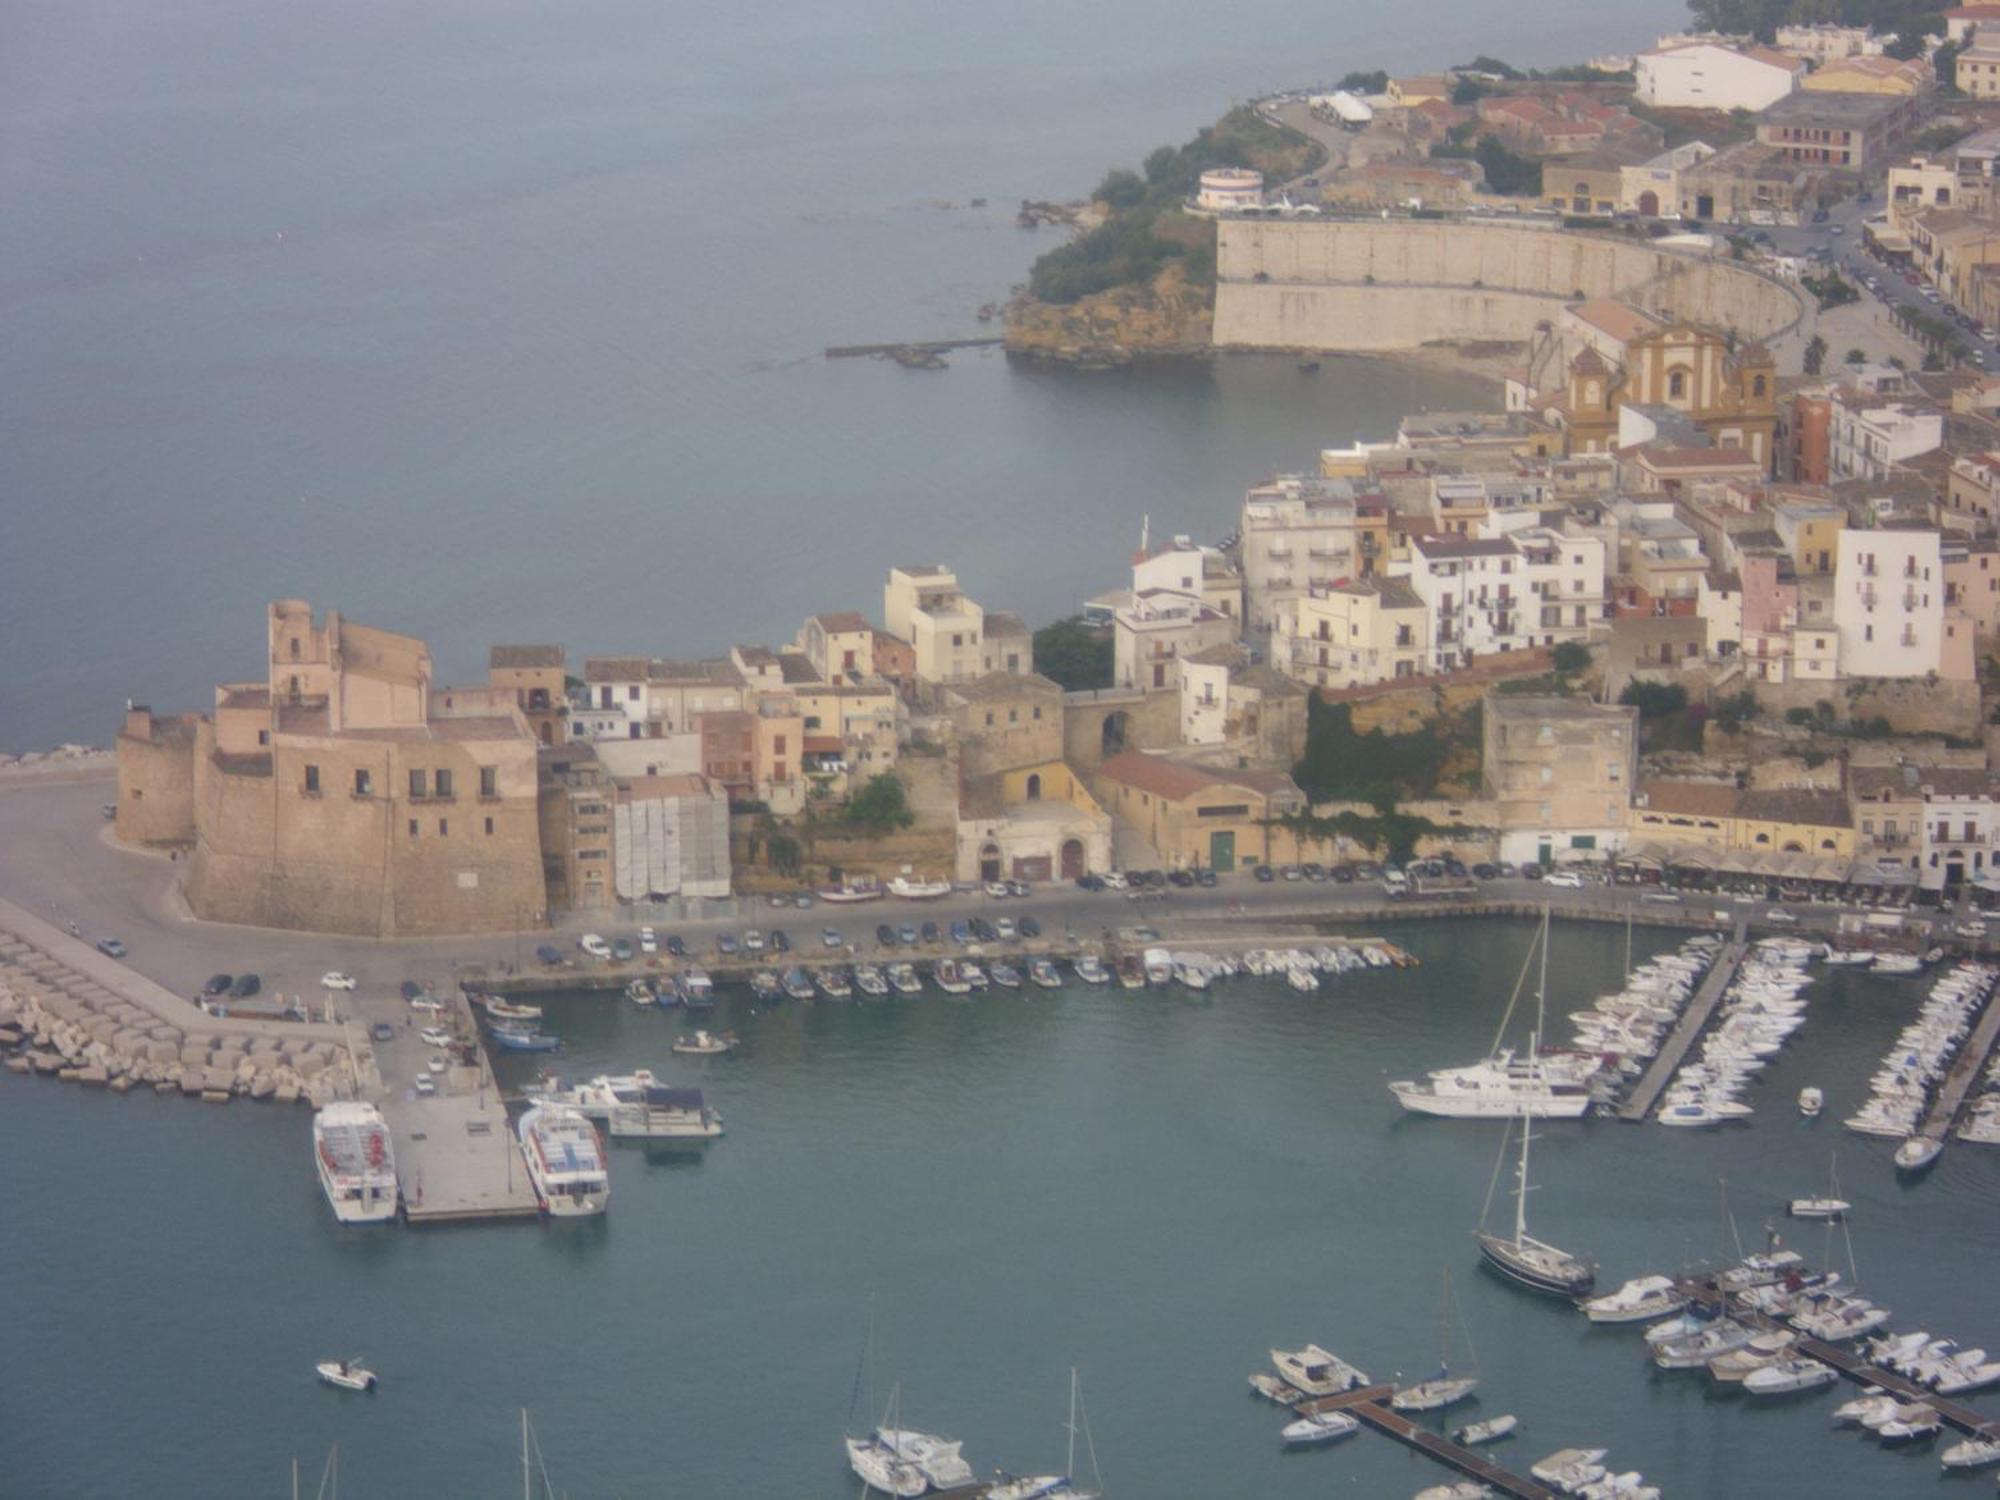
{"points": [[489, 778], [489, 826], [295, 648], [413, 828], [419, 785], [443, 782], [312, 779], [1757, 385], [1677, 385], [444, 825], [364, 784]]}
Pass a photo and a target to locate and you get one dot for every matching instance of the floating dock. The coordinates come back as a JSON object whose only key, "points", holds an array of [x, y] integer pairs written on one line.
{"points": [[1699, 1013], [1371, 1406]]}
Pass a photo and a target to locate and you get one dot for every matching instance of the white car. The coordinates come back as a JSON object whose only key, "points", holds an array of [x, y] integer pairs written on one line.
{"points": [[1114, 880], [1005, 927], [426, 1085], [594, 945], [1567, 880], [1667, 897], [435, 1036], [1779, 915], [997, 888], [437, 1064], [753, 941], [426, 1004], [333, 979], [649, 941]]}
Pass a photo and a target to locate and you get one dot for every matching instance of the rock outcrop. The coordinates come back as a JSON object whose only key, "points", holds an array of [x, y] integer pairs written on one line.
{"points": [[1168, 316]]}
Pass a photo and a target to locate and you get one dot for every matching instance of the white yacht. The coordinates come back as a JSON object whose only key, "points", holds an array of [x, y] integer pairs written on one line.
{"points": [[356, 1161], [1322, 1427], [565, 1161], [1640, 1300], [1570, 1468], [1975, 1452], [1315, 1372], [880, 1469], [602, 1095], [657, 1113], [937, 1458]]}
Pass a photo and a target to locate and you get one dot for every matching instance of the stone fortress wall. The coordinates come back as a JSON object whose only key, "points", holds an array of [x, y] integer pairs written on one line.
{"points": [[1387, 284]]}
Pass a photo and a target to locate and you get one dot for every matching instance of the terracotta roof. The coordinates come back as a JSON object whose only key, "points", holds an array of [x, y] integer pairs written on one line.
{"points": [[1814, 809], [525, 656], [1463, 546], [1621, 320], [1697, 799], [1171, 779], [614, 669], [843, 621]]}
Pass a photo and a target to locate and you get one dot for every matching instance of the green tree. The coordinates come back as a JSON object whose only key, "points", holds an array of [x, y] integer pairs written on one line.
{"points": [[1655, 700], [1074, 654], [1507, 174], [881, 806], [785, 853], [1468, 91], [1815, 356], [1121, 189], [1572, 657], [1376, 82], [1162, 166], [1485, 64], [1856, 357]]}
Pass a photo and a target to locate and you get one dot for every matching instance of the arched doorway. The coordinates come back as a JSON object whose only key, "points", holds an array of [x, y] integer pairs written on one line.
{"points": [[548, 733], [1034, 786], [1115, 727], [1649, 204], [989, 861], [1072, 859]]}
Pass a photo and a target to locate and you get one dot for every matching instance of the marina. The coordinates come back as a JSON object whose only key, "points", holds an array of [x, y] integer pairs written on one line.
{"points": [[1645, 1095], [1971, 1062], [1371, 1407]]}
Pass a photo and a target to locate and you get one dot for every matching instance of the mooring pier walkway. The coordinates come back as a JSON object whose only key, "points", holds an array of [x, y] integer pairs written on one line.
{"points": [[1370, 1405], [1697, 1016]]}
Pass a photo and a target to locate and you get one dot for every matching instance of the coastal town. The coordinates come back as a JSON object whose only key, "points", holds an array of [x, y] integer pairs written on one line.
{"points": [[1692, 628]]}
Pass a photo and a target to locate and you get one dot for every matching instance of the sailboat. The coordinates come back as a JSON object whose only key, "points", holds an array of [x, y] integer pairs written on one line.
{"points": [[1832, 1206], [1502, 1085], [879, 1466], [1533, 1264], [1442, 1389], [1055, 1486]]}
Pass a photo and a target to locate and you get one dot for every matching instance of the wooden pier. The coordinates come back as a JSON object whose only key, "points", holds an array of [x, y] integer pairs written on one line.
{"points": [[1964, 1073], [1646, 1093], [912, 346], [1370, 1405]]}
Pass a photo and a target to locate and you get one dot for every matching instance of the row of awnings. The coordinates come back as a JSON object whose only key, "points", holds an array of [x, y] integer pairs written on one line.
{"points": [[1770, 864]]}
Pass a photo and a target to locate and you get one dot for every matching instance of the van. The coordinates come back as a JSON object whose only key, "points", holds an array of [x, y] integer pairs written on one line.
{"points": [[1395, 883]]}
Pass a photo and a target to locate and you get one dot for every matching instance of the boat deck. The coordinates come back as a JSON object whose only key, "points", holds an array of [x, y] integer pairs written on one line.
{"points": [[1370, 1405], [1701, 1010]]}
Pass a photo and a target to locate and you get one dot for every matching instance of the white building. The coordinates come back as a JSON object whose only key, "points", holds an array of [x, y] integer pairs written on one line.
{"points": [[617, 685], [1703, 75], [1564, 577], [1473, 592], [923, 605], [1865, 438], [1888, 603], [1226, 188], [1961, 822], [1158, 628], [1297, 534], [1826, 43]]}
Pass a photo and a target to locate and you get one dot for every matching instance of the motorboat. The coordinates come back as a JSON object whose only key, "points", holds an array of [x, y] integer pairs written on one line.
{"points": [[871, 981], [1043, 973], [1897, 963], [1913, 1425], [1303, 980], [834, 983], [1318, 1428], [1315, 1372], [1818, 1208], [946, 975], [1962, 1379], [1917, 1153], [509, 1010], [1460, 1489], [766, 986], [1685, 1325], [1131, 972], [1722, 1336], [1271, 1388], [524, 1041], [565, 1161], [697, 990], [903, 888], [1875, 1402], [1640, 1300], [1489, 1431], [656, 1113], [1811, 1102], [905, 980], [356, 1161], [1976, 1452], [1630, 1485], [880, 1469], [1090, 969], [347, 1374], [937, 1457], [1763, 1350], [1006, 976], [1570, 1468], [1774, 1264], [640, 992], [1159, 967], [1877, 1417], [707, 1043], [797, 983]]}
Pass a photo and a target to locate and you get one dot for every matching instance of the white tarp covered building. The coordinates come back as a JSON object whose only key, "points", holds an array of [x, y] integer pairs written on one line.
{"points": [[669, 837]]}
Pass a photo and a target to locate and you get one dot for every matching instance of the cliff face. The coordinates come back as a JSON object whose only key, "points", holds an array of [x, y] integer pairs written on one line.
{"points": [[1166, 316]]}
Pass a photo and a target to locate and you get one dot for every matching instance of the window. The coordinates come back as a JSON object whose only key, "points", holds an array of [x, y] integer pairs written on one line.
{"points": [[989, 718], [419, 786], [1013, 716], [413, 828], [312, 780], [263, 736], [1677, 385], [489, 780], [444, 825], [443, 783], [295, 648], [632, 694], [777, 744], [1038, 713], [364, 784]]}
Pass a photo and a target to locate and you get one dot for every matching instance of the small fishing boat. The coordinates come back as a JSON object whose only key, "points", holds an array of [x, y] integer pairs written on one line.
{"points": [[1976, 1452], [347, 1374], [1303, 980], [1489, 1431], [945, 974], [1090, 969], [1789, 1376], [905, 889], [1917, 1152], [1043, 972], [1818, 1208], [1317, 1372], [833, 983], [904, 978], [1271, 1388], [640, 992], [697, 990], [508, 1010], [706, 1043], [797, 983], [766, 986], [1131, 972], [871, 981], [1321, 1427], [525, 1041], [1811, 1102], [1006, 976]]}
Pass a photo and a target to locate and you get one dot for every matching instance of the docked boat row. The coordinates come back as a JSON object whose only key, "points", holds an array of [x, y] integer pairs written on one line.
{"points": [[1938, 1363], [1626, 1028], [1888, 1418], [1759, 1012], [1305, 968], [898, 1460], [633, 1105], [1982, 1122], [1581, 1472], [356, 1162], [692, 988], [1918, 1062]]}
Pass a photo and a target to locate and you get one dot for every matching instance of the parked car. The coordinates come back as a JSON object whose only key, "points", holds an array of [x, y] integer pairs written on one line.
{"points": [[382, 1031], [885, 935], [676, 945], [726, 944], [1090, 882], [929, 932], [246, 985], [1264, 874], [1779, 915], [218, 984], [1005, 930], [984, 930], [1115, 880], [1567, 880], [621, 949], [753, 941], [803, 900], [111, 947], [907, 934], [1661, 898], [435, 1036], [996, 888], [1367, 869], [961, 931], [1019, 888], [548, 954], [1205, 878], [780, 899], [1181, 878], [1508, 869], [649, 941], [594, 945], [333, 979], [426, 1085], [1030, 928], [1342, 873], [829, 937], [779, 942], [1313, 870]]}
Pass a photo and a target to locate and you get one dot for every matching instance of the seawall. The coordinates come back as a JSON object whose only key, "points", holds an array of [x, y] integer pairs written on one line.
{"points": [[1382, 285]]}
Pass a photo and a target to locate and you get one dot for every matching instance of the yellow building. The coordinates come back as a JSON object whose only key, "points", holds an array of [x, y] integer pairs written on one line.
{"points": [[1795, 822], [1869, 75], [1194, 817], [1685, 812], [1732, 396], [1361, 631], [1035, 822], [1423, 88]]}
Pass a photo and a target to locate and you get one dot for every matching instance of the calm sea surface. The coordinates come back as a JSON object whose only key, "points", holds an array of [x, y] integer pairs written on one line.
{"points": [[1152, 1189], [502, 320]]}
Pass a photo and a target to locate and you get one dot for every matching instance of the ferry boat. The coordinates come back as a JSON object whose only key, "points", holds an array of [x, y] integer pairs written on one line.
{"points": [[356, 1161], [655, 1113], [565, 1161]]}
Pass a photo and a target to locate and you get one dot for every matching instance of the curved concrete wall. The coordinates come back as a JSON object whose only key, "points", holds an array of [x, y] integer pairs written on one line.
{"points": [[1399, 283]]}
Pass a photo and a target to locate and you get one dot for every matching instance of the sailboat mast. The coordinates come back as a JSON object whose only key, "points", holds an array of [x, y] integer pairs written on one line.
{"points": [[1542, 984], [1521, 1187], [527, 1491], [1069, 1463]]}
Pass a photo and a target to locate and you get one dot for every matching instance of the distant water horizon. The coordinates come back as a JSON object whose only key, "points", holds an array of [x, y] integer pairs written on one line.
{"points": [[504, 321]]}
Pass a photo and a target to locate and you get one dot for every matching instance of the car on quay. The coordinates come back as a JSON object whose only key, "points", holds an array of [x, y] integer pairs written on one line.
{"points": [[649, 941], [1019, 888], [1567, 880], [677, 945], [1661, 898], [1005, 930], [885, 935], [1029, 927], [930, 932], [778, 941], [779, 899], [907, 934], [1205, 878], [1263, 875], [1114, 880], [333, 979], [726, 944], [246, 985], [1342, 873], [829, 937], [622, 949], [426, 1085], [1484, 871], [1180, 878], [753, 941], [435, 1036], [381, 1031], [548, 954], [1367, 869], [110, 947], [218, 984], [594, 945], [997, 889], [1782, 917]]}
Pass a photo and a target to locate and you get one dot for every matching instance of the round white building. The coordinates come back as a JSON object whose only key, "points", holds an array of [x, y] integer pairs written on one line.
{"points": [[1226, 188]]}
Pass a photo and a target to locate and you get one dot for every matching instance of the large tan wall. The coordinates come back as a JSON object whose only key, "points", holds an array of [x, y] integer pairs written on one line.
{"points": [[156, 789], [1152, 722], [1401, 283]]}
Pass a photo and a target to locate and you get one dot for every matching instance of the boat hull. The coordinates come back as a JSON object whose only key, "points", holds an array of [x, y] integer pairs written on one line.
{"points": [[1575, 1280]]}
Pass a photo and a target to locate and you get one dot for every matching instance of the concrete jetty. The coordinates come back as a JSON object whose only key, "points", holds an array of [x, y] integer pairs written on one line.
{"points": [[457, 1157], [1700, 1011], [1964, 1073]]}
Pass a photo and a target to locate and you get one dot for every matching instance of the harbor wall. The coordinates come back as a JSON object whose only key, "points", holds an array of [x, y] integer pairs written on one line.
{"points": [[1374, 285]]}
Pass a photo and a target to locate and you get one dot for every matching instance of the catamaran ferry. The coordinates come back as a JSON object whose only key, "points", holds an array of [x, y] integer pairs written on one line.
{"points": [[565, 1161], [357, 1163]]}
